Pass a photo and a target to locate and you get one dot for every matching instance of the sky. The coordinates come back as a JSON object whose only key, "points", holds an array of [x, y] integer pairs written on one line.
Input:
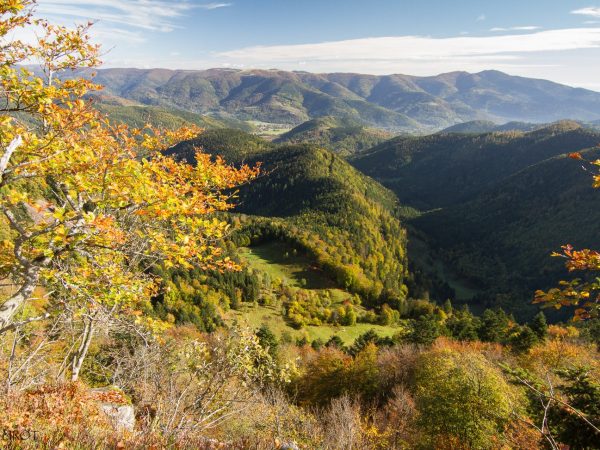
{"points": [[557, 40]]}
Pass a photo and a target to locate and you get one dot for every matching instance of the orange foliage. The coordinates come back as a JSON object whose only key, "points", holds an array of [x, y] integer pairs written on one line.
{"points": [[52, 417], [557, 354]]}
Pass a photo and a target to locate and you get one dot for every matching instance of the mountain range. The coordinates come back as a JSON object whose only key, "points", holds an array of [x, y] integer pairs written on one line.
{"points": [[395, 102], [486, 203]]}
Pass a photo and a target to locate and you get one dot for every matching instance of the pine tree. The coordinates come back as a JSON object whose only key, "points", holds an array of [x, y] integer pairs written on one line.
{"points": [[523, 340], [267, 339], [539, 326]]}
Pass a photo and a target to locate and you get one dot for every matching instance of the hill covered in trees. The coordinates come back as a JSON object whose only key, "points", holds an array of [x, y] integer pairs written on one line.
{"points": [[137, 116], [345, 220], [343, 137], [398, 102], [496, 204], [444, 169], [487, 126]]}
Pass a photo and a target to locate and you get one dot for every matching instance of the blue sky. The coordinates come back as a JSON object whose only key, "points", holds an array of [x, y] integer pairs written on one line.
{"points": [[554, 39]]}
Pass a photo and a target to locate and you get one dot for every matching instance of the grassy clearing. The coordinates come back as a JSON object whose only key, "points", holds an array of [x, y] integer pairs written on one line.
{"points": [[255, 316], [279, 261], [268, 130]]}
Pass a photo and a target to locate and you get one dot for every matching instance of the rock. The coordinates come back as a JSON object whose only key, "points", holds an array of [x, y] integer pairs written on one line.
{"points": [[122, 417], [117, 407]]}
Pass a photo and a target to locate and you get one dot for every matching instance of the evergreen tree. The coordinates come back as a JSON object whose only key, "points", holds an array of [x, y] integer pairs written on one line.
{"points": [[539, 326], [349, 317], [447, 307], [363, 340], [425, 330], [335, 341], [494, 325], [523, 340], [583, 394], [463, 326], [267, 339]]}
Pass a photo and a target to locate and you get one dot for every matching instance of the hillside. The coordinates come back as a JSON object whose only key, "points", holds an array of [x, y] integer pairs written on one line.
{"points": [[502, 239], [136, 115], [398, 102], [343, 137], [487, 126], [308, 195], [234, 145], [499, 203], [444, 169]]}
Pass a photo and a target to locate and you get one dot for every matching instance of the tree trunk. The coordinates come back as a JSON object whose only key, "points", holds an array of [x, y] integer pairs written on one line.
{"points": [[5, 159], [81, 353], [12, 305]]}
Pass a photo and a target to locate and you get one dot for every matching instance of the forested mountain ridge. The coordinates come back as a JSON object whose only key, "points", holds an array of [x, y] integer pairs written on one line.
{"points": [[343, 137], [398, 102], [487, 126], [137, 116], [444, 169], [498, 203], [503, 237], [345, 219]]}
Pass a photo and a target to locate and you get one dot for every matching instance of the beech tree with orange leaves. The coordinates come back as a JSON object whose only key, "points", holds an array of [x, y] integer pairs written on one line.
{"points": [[91, 205]]}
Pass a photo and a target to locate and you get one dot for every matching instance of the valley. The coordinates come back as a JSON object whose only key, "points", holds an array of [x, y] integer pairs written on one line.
{"points": [[280, 262], [255, 256], [482, 222]]}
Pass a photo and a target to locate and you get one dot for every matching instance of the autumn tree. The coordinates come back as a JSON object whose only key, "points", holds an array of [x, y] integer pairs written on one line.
{"points": [[463, 401], [91, 206]]}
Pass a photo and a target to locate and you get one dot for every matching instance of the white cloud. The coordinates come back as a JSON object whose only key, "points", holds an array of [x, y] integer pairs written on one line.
{"points": [[551, 54], [418, 48], [214, 5], [480, 18], [523, 28], [113, 36], [592, 11], [155, 15]]}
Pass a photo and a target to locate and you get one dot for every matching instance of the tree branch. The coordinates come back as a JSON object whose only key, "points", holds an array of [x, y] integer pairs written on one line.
{"points": [[14, 325]]}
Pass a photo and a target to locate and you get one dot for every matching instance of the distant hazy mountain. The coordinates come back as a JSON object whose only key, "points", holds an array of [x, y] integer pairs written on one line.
{"points": [[398, 102]]}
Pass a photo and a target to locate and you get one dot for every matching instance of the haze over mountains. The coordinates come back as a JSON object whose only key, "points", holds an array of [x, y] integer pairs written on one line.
{"points": [[395, 102]]}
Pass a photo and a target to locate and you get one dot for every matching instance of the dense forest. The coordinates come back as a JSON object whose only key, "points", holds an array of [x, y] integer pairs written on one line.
{"points": [[343, 137], [501, 203], [172, 280]]}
